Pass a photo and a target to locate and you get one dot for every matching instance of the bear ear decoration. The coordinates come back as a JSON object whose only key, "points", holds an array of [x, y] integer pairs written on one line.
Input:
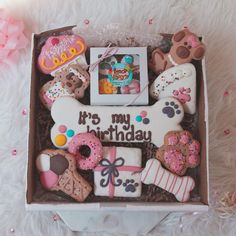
{"points": [[177, 37], [199, 53]]}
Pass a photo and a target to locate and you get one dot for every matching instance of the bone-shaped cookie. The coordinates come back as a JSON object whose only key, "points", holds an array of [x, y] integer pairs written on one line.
{"points": [[115, 124], [179, 82], [155, 174]]}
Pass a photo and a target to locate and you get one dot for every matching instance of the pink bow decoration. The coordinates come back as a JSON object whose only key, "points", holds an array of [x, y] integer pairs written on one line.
{"points": [[110, 51], [193, 41], [12, 37], [110, 171]]}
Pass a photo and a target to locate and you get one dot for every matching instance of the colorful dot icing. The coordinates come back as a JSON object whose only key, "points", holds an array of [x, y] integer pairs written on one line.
{"points": [[60, 140], [62, 128], [70, 133], [77, 147], [143, 114], [138, 118], [59, 50], [146, 121]]}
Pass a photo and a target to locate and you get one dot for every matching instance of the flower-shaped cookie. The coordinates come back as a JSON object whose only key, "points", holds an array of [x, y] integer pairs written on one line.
{"points": [[179, 152]]}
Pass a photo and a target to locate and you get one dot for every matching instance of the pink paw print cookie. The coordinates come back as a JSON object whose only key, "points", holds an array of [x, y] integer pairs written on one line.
{"points": [[179, 152]]}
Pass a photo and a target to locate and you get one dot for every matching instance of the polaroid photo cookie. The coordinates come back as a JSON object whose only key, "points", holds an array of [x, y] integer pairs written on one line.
{"points": [[121, 78]]}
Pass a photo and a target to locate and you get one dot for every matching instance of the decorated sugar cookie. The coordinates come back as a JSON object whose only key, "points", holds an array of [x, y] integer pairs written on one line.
{"points": [[62, 50], [155, 174], [179, 82], [179, 152], [118, 173], [123, 124], [87, 149], [186, 46], [72, 81], [58, 172]]}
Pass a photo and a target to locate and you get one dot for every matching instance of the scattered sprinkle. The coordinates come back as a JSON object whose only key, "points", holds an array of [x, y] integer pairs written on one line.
{"points": [[226, 93], [227, 131], [56, 217], [24, 112], [86, 21], [12, 230], [150, 21], [14, 152]]}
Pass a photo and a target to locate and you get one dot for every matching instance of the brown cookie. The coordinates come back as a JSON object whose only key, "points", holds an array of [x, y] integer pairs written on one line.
{"points": [[58, 172], [186, 46], [72, 80], [179, 152]]}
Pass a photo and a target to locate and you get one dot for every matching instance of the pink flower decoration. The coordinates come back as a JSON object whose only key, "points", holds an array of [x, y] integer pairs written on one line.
{"points": [[12, 37]]}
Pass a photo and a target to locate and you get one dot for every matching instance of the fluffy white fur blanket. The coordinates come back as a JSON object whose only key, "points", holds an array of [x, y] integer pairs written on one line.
{"points": [[215, 19]]}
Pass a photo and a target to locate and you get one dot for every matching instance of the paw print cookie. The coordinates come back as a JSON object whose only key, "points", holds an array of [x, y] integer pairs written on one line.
{"points": [[70, 81], [179, 152]]}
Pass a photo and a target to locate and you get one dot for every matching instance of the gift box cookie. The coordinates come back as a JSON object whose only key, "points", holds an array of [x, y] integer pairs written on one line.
{"points": [[120, 77], [118, 173]]}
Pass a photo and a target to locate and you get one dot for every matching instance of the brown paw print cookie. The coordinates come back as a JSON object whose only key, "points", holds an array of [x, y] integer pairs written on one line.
{"points": [[186, 46], [58, 172], [72, 81], [179, 152]]}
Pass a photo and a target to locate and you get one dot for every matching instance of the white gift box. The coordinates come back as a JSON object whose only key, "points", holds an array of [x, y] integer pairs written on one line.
{"points": [[133, 98], [118, 174]]}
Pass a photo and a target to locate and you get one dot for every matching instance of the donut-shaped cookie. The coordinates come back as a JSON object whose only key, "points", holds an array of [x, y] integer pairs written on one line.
{"points": [[87, 149]]}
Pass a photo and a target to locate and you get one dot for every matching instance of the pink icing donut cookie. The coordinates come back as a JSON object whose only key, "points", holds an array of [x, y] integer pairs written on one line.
{"points": [[179, 152], [87, 149]]}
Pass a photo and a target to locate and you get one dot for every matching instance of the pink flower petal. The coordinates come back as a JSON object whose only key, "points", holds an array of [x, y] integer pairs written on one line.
{"points": [[15, 28], [22, 41], [4, 53], [11, 43]]}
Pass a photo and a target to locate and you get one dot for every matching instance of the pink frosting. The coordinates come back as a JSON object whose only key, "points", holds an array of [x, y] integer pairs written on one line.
{"points": [[184, 138], [193, 160], [175, 160], [194, 147], [48, 179], [95, 146], [173, 140], [62, 49]]}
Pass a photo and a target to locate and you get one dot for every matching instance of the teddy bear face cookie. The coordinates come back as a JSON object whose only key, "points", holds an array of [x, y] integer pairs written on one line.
{"points": [[72, 81], [186, 46]]}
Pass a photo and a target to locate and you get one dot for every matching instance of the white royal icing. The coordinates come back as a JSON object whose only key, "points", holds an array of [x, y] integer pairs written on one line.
{"points": [[43, 162], [117, 124], [131, 185], [155, 174], [179, 82]]}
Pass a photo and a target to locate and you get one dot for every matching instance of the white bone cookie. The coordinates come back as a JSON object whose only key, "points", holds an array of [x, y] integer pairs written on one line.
{"points": [[179, 82], [155, 174], [115, 124]]}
